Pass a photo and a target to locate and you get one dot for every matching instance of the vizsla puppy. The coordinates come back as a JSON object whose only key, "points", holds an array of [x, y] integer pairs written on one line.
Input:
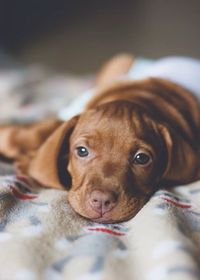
{"points": [[133, 138]]}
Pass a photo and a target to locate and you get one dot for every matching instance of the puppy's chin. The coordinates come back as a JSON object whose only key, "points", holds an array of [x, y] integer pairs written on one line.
{"points": [[107, 218], [122, 212]]}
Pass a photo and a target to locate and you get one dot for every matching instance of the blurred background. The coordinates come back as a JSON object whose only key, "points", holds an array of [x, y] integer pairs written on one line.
{"points": [[77, 36], [50, 50]]}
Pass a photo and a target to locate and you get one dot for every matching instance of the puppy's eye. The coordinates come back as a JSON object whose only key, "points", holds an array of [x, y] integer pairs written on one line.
{"points": [[82, 151], [141, 158]]}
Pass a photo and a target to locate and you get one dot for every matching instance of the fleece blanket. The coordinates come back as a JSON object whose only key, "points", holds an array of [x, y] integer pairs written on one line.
{"points": [[41, 237]]}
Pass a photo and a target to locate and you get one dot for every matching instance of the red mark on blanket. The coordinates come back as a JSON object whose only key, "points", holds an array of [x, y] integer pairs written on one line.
{"points": [[107, 230], [177, 204], [22, 196]]}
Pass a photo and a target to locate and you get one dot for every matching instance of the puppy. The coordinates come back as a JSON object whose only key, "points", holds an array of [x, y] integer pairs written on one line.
{"points": [[134, 137]]}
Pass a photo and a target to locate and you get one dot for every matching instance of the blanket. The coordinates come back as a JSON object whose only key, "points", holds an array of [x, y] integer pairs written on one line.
{"points": [[41, 237]]}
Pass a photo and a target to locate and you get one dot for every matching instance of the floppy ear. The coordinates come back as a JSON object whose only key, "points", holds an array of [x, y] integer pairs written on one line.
{"points": [[49, 165], [182, 162]]}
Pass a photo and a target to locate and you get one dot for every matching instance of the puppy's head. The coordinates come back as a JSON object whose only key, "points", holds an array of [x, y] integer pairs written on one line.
{"points": [[111, 159], [117, 157]]}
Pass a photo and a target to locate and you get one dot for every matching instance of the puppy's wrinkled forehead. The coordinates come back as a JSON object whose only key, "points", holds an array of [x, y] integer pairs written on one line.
{"points": [[118, 120]]}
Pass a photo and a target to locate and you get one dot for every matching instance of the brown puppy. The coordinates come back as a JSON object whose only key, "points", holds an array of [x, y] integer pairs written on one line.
{"points": [[132, 139]]}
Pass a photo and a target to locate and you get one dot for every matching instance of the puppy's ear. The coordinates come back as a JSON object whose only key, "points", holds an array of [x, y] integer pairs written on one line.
{"points": [[114, 68], [182, 158], [49, 165]]}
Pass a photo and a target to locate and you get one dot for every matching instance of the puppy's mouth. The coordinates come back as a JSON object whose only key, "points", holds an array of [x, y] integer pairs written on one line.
{"points": [[113, 214], [101, 218], [88, 213], [107, 218], [97, 217]]}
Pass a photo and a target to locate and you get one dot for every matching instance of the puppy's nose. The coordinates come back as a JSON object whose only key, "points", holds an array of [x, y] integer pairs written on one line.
{"points": [[102, 202]]}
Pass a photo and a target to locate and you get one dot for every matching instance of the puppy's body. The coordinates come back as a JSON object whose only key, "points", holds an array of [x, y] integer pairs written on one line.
{"points": [[133, 138]]}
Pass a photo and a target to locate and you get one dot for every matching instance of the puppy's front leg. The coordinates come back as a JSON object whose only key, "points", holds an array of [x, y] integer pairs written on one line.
{"points": [[8, 141], [16, 140]]}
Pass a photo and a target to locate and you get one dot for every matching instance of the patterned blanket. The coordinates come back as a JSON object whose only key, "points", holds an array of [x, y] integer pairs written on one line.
{"points": [[41, 237]]}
